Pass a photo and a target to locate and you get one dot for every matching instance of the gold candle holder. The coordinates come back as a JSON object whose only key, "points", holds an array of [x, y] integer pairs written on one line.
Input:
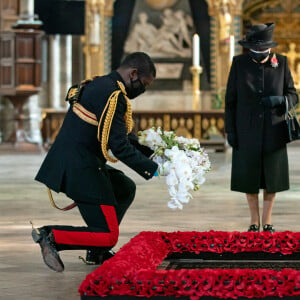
{"points": [[196, 71]]}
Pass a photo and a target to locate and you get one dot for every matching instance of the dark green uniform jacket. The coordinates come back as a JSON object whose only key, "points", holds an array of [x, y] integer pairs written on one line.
{"points": [[75, 164], [260, 161]]}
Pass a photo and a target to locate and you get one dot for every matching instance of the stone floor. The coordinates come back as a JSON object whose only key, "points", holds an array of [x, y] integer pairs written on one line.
{"points": [[23, 273]]}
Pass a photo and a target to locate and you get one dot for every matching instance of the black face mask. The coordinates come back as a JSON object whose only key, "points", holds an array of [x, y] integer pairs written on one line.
{"points": [[136, 88], [259, 56]]}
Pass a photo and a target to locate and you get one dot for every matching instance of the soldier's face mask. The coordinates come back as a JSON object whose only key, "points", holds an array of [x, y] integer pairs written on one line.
{"points": [[259, 55], [136, 88]]}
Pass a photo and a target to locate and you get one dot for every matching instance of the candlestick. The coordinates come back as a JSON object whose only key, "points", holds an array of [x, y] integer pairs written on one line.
{"points": [[231, 48], [196, 50], [196, 71]]}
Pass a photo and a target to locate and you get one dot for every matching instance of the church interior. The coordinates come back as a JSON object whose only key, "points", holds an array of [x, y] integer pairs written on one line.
{"points": [[46, 46]]}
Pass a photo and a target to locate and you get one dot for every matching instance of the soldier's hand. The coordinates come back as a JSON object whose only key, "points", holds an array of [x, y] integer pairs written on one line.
{"points": [[272, 101]]}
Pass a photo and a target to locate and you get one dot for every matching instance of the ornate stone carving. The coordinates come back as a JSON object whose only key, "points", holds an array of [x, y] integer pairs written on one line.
{"points": [[97, 16], [294, 63], [161, 4], [172, 39], [285, 14], [109, 8], [233, 6]]}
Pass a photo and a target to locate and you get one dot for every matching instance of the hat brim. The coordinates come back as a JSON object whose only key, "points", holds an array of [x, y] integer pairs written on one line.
{"points": [[255, 46]]}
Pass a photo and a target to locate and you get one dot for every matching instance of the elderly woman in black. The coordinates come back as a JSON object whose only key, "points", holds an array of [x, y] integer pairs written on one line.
{"points": [[258, 87]]}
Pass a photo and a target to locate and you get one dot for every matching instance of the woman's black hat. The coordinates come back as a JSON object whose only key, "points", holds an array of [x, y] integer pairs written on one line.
{"points": [[259, 36]]}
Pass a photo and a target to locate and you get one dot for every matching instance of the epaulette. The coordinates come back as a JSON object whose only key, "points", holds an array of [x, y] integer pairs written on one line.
{"points": [[74, 93]]}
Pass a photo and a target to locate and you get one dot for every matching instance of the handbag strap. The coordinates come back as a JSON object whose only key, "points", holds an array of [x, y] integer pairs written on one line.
{"points": [[286, 107], [287, 110]]}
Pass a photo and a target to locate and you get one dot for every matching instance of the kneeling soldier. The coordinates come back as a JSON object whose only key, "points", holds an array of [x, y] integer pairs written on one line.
{"points": [[97, 128]]}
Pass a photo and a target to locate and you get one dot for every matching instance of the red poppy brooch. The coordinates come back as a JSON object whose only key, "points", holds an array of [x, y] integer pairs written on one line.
{"points": [[274, 61]]}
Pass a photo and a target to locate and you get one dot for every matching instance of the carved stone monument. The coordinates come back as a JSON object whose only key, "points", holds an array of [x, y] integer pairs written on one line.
{"points": [[169, 44]]}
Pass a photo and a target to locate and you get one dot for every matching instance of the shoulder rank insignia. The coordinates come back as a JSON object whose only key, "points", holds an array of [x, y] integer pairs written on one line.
{"points": [[74, 93]]}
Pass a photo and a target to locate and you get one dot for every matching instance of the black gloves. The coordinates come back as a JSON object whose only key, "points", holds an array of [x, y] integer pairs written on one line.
{"points": [[232, 140], [272, 101]]}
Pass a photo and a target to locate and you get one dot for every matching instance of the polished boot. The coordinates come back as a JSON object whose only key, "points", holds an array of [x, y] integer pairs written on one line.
{"points": [[48, 249]]}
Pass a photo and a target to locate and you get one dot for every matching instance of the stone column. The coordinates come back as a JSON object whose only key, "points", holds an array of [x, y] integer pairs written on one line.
{"points": [[108, 14], [27, 7], [66, 67], [54, 72], [97, 40], [225, 21]]}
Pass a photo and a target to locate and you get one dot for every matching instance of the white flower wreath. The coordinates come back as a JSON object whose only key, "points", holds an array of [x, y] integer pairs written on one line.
{"points": [[180, 159]]}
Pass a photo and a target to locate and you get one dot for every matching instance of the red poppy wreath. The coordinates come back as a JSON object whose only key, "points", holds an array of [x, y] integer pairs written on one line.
{"points": [[134, 269]]}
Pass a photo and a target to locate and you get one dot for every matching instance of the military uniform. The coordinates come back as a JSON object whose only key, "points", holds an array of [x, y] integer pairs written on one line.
{"points": [[260, 160], [76, 165]]}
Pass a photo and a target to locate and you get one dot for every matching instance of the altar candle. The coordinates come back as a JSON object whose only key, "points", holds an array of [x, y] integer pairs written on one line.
{"points": [[231, 48], [196, 50]]}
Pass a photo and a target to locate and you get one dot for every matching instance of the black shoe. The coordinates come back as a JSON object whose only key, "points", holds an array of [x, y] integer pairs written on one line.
{"points": [[107, 255], [97, 256], [253, 228], [269, 227], [48, 249]]}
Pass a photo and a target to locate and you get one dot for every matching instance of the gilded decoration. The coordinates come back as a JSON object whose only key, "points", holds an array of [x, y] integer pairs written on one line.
{"points": [[197, 126], [225, 24], [97, 14], [234, 6], [286, 16], [189, 124], [161, 4], [205, 124]]}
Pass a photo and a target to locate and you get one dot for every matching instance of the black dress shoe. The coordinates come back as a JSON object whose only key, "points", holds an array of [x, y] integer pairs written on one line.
{"points": [[253, 228], [107, 255], [98, 256], [269, 227], [48, 249]]}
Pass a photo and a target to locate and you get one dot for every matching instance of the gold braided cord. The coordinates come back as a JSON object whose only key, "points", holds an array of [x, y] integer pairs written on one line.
{"points": [[108, 114], [128, 115], [100, 122], [111, 108]]}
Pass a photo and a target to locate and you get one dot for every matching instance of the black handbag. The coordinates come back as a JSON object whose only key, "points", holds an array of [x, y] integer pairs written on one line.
{"points": [[292, 122]]}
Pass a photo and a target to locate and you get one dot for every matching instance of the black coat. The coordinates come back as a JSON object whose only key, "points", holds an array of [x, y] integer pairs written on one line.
{"points": [[75, 164], [261, 132]]}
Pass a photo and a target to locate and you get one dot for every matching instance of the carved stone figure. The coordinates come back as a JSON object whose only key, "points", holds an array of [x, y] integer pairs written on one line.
{"points": [[142, 35], [294, 63], [171, 39], [225, 20]]}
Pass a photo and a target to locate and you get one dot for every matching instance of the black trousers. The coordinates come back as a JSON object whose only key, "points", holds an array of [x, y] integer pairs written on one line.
{"points": [[102, 221]]}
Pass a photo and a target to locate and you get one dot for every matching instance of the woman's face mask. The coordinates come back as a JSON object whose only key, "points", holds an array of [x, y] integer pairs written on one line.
{"points": [[135, 89], [259, 55]]}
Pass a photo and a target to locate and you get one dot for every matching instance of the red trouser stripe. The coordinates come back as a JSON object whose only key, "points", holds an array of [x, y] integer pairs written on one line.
{"points": [[97, 239]]}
